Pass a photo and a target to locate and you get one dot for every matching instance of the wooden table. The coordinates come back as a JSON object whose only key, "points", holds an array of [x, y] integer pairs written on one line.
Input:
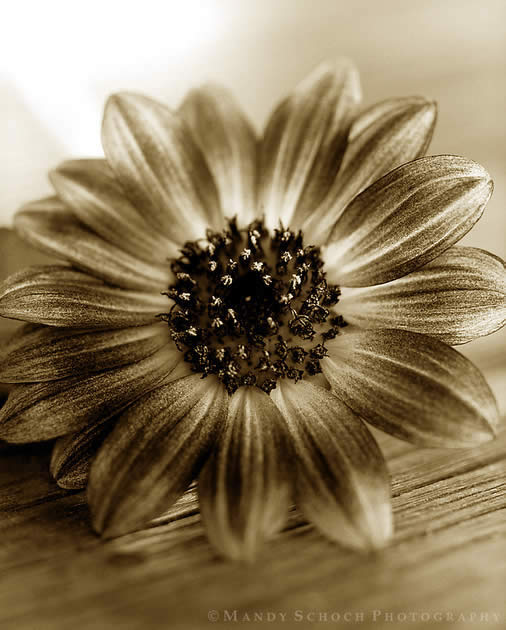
{"points": [[447, 560]]}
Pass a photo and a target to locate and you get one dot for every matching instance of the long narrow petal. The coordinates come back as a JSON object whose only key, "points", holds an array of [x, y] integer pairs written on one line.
{"points": [[342, 484], [156, 449], [244, 489], [60, 296], [457, 297], [406, 219], [50, 226], [42, 411], [91, 190], [72, 454], [304, 142], [48, 354], [382, 138], [229, 145], [412, 386], [160, 167]]}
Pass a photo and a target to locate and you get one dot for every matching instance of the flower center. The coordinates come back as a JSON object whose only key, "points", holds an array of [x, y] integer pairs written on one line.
{"points": [[252, 307]]}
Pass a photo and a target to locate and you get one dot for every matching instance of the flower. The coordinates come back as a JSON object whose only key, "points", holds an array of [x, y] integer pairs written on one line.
{"points": [[234, 311]]}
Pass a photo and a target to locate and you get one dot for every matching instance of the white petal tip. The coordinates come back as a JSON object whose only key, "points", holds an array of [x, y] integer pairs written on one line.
{"points": [[480, 175], [428, 111], [123, 101], [117, 97], [365, 538]]}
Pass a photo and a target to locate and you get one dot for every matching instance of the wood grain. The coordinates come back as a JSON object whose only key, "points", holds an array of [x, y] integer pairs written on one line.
{"points": [[448, 555]]}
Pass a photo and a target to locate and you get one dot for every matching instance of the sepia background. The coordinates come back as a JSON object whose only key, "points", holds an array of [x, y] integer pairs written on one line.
{"points": [[60, 60]]}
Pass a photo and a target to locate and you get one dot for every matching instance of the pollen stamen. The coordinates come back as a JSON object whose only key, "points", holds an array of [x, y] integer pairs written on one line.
{"points": [[252, 307]]}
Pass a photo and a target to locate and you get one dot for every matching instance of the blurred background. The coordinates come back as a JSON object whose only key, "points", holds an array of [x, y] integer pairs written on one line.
{"points": [[59, 61]]}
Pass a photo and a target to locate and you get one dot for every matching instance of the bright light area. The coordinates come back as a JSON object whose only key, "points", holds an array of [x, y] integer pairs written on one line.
{"points": [[59, 58]]}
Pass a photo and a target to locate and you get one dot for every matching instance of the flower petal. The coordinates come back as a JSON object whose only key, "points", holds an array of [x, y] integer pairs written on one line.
{"points": [[229, 145], [406, 219], [47, 224], [156, 449], [160, 167], [72, 454], [59, 296], [412, 386], [342, 484], [244, 488], [382, 138], [42, 411], [90, 189], [457, 297], [304, 142], [48, 354]]}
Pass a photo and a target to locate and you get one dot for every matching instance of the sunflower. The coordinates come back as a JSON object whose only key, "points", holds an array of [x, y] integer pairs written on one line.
{"points": [[233, 310]]}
